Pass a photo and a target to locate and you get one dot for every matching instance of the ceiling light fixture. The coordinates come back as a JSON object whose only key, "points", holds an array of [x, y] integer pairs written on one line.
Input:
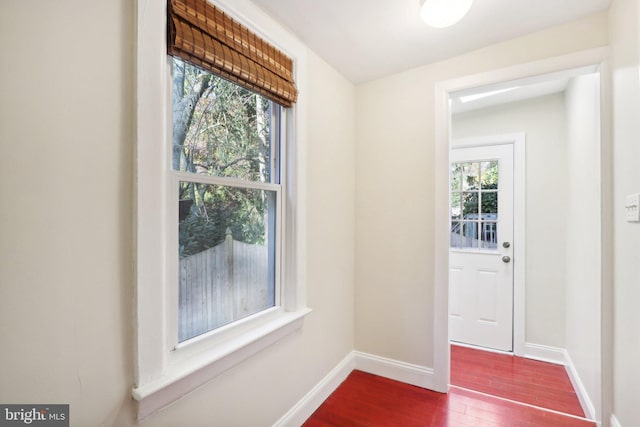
{"points": [[444, 13]]}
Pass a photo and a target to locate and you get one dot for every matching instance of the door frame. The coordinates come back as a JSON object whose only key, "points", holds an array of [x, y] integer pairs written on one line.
{"points": [[442, 126], [518, 141]]}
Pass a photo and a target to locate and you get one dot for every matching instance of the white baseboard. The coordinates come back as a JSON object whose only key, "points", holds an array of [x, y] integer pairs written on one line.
{"points": [[581, 391], [615, 422], [417, 375], [545, 353], [400, 371], [561, 356], [302, 410]]}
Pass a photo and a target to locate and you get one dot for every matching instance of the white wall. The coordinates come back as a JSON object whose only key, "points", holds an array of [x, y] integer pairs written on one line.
{"points": [[395, 188], [66, 129], [583, 217], [66, 252], [623, 24], [543, 121]]}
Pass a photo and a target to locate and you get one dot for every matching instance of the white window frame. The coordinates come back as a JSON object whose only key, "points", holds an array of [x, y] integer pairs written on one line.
{"points": [[166, 371]]}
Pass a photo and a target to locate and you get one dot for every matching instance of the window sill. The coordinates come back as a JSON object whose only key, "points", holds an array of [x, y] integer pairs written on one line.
{"points": [[184, 376]]}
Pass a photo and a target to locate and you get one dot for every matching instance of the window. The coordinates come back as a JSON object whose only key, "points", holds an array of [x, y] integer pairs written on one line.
{"points": [[220, 198], [474, 205], [226, 170]]}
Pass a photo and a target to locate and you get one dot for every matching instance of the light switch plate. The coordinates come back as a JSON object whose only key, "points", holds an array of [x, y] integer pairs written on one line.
{"points": [[632, 207]]}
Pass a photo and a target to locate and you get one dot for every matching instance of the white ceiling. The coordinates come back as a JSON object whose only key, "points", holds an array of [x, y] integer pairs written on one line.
{"points": [[368, 39]]}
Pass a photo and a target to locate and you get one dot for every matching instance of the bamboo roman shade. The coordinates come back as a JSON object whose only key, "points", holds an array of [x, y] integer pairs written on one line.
{"points": [[205, 36]]}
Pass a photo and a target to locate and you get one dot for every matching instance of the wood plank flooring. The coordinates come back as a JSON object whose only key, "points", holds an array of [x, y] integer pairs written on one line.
{"points": [[516, 378], [364, 399]]}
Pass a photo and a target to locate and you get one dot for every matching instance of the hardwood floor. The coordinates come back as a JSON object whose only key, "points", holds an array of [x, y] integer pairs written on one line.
{"points": [[515, 378], [364, 399]]}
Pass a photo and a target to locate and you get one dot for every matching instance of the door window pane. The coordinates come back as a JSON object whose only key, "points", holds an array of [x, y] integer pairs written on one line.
{"points": [[488, 235], [469, 235], [456, 176], [489, 175], [456, 234], [470, 175], [470, 205], [456, 209], [490, 205]]}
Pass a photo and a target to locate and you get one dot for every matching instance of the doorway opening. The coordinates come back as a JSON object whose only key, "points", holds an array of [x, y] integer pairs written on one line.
{"points": [[583, 224]]}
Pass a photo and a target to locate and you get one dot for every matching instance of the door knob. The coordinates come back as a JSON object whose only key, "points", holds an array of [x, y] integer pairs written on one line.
{"points": [[506, 244], [506, 258]]}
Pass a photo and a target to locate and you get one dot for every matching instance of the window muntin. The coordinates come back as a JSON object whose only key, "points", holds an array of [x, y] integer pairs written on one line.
{"points": [[226, 166], [474, 205]]}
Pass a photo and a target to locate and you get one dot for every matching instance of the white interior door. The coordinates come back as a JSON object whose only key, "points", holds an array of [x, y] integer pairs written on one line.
{"points": [[481, 249]]}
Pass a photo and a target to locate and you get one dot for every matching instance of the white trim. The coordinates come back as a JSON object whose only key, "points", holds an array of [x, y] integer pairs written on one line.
{"points": [[607, 244], [614, 421], [518, 140], [519, 250], [489, 140], [442, 133], [545, 353], [442, 238], [580, 389], [302, 410], [421, 376]]}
